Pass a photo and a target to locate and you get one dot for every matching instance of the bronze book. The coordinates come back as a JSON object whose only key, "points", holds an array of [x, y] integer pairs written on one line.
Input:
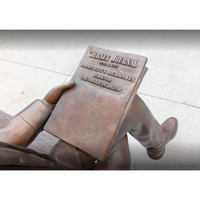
{"points": [[89, 115]]}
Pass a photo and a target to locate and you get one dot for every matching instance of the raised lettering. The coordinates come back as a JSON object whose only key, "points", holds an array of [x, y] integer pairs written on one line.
{"points": [[124, 61], [107, 57], [115, 66], [122, 76], [102, 77], [132, 64], [113, 60], [119, 89], [120, 60], [99, 56], [91, 56], [135, 63], [116, 59]]}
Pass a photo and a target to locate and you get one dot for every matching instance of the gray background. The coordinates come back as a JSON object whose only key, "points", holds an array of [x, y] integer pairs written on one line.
{"points": [[33, 62]]}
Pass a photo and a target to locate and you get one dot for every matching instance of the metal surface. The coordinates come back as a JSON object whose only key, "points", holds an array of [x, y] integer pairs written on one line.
{"points": [[96, 107], [91, 119]]}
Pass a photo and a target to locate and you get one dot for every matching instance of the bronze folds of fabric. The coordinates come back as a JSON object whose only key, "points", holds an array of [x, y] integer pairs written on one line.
{"points": [[90, 114]]}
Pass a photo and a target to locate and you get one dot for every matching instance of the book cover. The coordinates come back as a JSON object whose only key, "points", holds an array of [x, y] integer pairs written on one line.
{"points": [[89, 115]]}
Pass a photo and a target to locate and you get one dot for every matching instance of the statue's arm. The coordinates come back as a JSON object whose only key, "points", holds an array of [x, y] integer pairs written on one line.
{"points": [[24, 127]]}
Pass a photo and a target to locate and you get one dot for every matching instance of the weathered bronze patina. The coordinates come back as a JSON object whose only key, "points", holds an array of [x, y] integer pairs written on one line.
{"points": [[91, 119], [98, 103]]}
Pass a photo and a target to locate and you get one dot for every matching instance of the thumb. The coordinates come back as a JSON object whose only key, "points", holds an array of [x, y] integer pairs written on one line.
{"points": [[53, 95]]}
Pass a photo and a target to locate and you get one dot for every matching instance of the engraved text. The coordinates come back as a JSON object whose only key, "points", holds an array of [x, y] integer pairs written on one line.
{"points": [[122, 76], [99, 76], [99, 56], [124, 61], [99, 83]]}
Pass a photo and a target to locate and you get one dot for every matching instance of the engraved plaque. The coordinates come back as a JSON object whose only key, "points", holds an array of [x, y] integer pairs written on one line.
{"points": [[89, 115]]}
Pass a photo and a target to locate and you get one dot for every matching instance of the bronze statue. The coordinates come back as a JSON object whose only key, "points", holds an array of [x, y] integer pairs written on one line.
{"points": [[17, 133]]}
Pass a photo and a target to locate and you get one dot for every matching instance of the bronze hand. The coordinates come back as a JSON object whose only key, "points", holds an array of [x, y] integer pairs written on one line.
{"points": [[24, 127], [53, 95]]}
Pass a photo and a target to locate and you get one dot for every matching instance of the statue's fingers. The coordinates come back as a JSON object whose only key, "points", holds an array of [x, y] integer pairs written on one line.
{"points": [[61, 88], [54, 95]]}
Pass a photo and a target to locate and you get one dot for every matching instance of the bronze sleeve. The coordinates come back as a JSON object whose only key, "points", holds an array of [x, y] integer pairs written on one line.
{"points": [[24, 125]]}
